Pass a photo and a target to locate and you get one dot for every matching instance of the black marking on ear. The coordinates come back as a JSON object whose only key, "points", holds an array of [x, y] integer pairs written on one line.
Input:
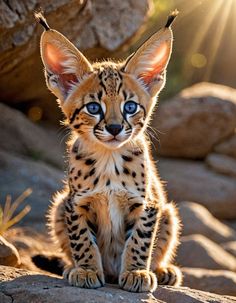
{"points": [[127, 61], [171, 18], [41, 20]]}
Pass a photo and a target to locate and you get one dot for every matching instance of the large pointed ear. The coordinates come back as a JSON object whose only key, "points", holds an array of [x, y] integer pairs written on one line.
{"points": [[149, 62], [64, 64]]}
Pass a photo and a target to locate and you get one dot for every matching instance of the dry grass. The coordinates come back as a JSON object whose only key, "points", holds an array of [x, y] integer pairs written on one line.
{"points": [[7, 212]]}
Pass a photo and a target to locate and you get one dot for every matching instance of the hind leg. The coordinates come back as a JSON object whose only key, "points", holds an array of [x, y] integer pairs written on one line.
{"points": [[166, 242]]}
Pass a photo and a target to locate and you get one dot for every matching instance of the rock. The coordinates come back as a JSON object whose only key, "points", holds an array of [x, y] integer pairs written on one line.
{"points": [[227, 147], [33, 287], [230, 247], [35, 142], [198, 251], [193, 122], [97, 27], [17, 174], [222, 164], [196, 219], [8, 254], [193, 181], [217, 281]]}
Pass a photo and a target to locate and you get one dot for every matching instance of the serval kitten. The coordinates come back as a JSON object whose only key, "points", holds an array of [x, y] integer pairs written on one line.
{"points": [[111, 221]]}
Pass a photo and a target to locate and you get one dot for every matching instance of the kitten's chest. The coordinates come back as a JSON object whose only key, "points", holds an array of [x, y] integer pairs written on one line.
{"points": [[107, 173]]}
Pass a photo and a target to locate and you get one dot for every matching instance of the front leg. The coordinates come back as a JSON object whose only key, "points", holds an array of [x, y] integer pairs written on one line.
{"points": [[87, 271], [135, 273]]}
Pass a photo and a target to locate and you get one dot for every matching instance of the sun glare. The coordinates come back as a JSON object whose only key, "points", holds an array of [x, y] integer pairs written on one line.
{"points": [[218, 20]]}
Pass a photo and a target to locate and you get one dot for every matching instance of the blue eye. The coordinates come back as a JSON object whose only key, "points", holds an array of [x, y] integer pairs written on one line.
{"points": [[93, 108], [130, 107]]}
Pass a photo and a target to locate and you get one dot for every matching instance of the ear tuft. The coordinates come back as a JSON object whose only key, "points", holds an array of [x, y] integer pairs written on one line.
{"points": [[41, 19], [171, 18]]}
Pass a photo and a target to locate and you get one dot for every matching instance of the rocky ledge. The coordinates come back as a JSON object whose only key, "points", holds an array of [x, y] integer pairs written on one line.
{"points": [[25, 286]]}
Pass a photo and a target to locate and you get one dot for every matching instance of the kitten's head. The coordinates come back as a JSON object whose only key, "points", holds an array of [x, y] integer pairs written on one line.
{"points": [[106, 102]]}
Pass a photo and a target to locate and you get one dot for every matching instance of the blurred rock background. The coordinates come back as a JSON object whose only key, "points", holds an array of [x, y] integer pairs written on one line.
{"points": [[193, 128]]}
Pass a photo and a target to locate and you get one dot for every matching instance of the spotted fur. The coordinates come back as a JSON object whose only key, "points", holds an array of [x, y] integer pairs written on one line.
{"points": [[112, 220]]}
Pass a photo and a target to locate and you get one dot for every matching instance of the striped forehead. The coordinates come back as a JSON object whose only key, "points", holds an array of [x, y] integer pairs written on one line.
{"points": [[110, 82]]}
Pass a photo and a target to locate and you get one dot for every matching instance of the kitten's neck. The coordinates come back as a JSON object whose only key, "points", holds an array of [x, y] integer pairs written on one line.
{"points": [[98, 149]]}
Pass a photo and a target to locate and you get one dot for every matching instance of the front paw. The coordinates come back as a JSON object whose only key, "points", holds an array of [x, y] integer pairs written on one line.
{"points": [[138, 281], [84, 277]]}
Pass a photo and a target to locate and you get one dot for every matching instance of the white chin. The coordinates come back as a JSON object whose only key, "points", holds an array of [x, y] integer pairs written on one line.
{"points": [[113, 144]]}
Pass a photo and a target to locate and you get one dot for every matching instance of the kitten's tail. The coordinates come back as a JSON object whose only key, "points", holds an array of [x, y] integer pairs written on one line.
{"points": [[51, 263]]}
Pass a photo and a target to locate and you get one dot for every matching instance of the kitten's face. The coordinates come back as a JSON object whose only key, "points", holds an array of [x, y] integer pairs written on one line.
{"points": [[107, 103], [110, 107]]}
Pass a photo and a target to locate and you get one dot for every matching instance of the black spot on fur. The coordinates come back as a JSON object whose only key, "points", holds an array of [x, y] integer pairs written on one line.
{"points": [[82, 231], [74, 217], [133, 174], [149, 224], [126, 170], [77, 126], [127, 158], [85, 207], [95, 181], [90, 161], [79, 246], [144, 234], [74, 228], [134, 206], [92, 172], [117, 171], [144, 258]]}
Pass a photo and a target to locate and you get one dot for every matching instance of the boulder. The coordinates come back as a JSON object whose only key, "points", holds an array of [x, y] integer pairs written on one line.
{"points": [[196, 219], [189, 180], [217, 281], [35, 142], [8, 254], [33, 287], [230, 247], [222, 164], [198, 251], [192, 123], [227, 147], [98, 27], [17, 174]]}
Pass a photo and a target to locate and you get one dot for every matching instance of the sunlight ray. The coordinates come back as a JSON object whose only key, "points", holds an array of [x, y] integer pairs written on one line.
{"points": [[216, 40], [202, 33]]}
